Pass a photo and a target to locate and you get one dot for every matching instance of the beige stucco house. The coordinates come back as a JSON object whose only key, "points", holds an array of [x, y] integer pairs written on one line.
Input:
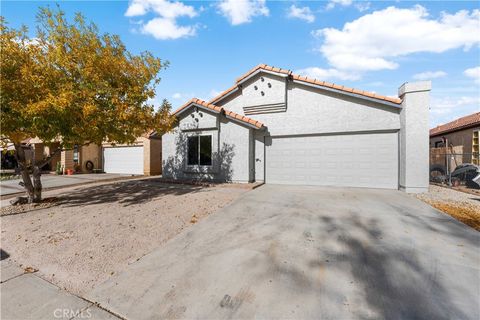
{"points": [[143, 157]]}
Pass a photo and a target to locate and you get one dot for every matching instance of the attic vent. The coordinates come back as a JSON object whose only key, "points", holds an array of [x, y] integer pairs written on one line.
{"points": [[267, 108]]}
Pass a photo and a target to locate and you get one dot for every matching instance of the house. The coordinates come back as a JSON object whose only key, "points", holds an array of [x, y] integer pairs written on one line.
{"points": [[459, 136], [143, 157], [274, 126]]}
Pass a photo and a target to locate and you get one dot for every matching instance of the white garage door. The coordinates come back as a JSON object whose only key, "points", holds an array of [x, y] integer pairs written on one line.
{"points": [[354, 160], [127, 160]]}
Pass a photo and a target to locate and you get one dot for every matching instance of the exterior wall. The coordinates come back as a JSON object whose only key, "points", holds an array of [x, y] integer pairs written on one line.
{"points": [[38, 152], [152, 157], [93, 153], [414, 136], [315, 111], [457, 138], [259, 156], [231, 159], [66, 160]]}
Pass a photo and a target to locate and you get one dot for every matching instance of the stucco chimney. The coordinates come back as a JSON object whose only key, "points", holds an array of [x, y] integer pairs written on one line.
{"points": [[414, 136]]}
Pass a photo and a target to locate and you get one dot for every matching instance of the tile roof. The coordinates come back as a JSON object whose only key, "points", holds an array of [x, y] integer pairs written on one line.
{"points": [[229, 114], [460, 123], [307, 80]]}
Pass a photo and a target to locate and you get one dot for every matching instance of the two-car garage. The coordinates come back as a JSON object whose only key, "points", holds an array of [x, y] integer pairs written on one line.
{"points": [[352, 160]]}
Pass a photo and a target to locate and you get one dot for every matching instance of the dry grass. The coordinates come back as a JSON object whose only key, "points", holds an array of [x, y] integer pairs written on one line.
{"points": [[466, 214]]}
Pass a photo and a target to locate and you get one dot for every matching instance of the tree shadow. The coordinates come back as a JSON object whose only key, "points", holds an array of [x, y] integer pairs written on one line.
{"points": [[175, 166], [396, 284], [126, 193]]}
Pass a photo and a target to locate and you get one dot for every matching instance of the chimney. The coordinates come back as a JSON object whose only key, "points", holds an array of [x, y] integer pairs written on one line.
{"points": [[414, 136]]}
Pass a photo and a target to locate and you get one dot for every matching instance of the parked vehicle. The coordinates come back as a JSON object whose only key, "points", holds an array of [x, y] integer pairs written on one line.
{"points": [[467, 174]]}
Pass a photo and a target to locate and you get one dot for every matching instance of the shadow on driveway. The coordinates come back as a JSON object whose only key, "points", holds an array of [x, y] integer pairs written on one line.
{"points": [[308, 253]]}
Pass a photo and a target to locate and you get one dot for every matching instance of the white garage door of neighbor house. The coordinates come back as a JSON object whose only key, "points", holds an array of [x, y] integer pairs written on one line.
{"points": [[128, 160], [353, 160]]}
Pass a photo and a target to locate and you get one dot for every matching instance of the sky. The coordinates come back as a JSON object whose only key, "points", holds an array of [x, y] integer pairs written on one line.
{"points": [[369, 45]]}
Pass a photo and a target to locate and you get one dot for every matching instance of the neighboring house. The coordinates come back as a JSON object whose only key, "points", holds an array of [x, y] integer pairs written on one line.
{"points": [[459, 136], [142, 157], [278, 127]]}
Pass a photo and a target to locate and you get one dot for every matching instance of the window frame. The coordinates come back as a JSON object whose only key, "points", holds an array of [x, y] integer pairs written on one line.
{"points": [[199, 154]]}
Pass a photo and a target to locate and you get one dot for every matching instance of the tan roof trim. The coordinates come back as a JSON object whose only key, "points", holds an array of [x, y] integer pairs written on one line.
{"points": [[305, 79], [229, 114], [457, 124]]}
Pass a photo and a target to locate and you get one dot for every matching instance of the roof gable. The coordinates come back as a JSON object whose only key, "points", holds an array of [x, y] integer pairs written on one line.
{"points": [[229, 114], [308, 81]]}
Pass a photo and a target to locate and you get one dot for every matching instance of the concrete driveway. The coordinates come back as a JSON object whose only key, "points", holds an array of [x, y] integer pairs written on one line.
{"points": [[308, 253]]}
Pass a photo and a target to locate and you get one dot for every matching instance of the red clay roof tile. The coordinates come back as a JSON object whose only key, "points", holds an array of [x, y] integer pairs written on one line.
{"points": [[458, 124], [219, 109]]}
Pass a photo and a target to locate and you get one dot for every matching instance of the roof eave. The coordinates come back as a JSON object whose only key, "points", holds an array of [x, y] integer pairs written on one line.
{"points": [[193, 104], [351, 94], [468, 126], [223, 96]]}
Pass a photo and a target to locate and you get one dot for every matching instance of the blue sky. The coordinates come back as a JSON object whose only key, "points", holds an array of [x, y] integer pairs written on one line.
{"points": [[370, 45]]}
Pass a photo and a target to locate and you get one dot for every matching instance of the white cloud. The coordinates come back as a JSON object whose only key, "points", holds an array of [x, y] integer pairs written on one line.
{"points": [[327, 74], [166, 29], [446, 105], [362, 6], [473, 73], [332, 3], [303, 13], [242, 11], [165, 26], [428, 75], [373, 41], [213, 93], [177, 96]]}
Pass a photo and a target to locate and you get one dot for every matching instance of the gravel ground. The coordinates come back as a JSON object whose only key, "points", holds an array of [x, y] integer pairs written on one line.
{"points": [[460, 205], [91, 233]]}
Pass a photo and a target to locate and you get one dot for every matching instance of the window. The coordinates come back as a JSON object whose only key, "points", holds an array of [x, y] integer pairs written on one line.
{"points": [[199, 151], [75, 154]]}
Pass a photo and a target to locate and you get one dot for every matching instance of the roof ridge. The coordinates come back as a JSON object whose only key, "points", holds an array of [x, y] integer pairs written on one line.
{"points": [[307, 80]]}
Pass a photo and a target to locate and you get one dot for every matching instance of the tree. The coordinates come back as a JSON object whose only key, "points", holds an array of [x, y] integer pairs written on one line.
{"points": [[73, 85]]}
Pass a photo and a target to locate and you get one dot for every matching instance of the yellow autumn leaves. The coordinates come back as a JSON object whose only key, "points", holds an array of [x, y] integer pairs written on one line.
{"points": [[70, 81]]}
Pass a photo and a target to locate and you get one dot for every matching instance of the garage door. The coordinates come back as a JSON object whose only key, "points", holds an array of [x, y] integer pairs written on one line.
{"points": [[127, 160], [354, 160]]}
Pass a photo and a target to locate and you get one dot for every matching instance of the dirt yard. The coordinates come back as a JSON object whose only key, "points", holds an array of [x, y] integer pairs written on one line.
{"points": [[89, 234], [462, 206]]}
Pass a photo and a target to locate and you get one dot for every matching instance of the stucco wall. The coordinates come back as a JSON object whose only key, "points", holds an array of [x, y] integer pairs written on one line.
{"points": [[231, 159], [93, 153], [310, 110], [414, 136]]}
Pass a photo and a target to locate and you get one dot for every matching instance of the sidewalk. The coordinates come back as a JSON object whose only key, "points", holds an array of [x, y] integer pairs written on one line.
{"points": [[50, 181], [27, 296]]}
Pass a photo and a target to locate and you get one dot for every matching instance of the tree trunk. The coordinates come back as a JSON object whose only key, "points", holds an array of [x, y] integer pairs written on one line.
{"points": [[22, 166], [37, 184]]}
